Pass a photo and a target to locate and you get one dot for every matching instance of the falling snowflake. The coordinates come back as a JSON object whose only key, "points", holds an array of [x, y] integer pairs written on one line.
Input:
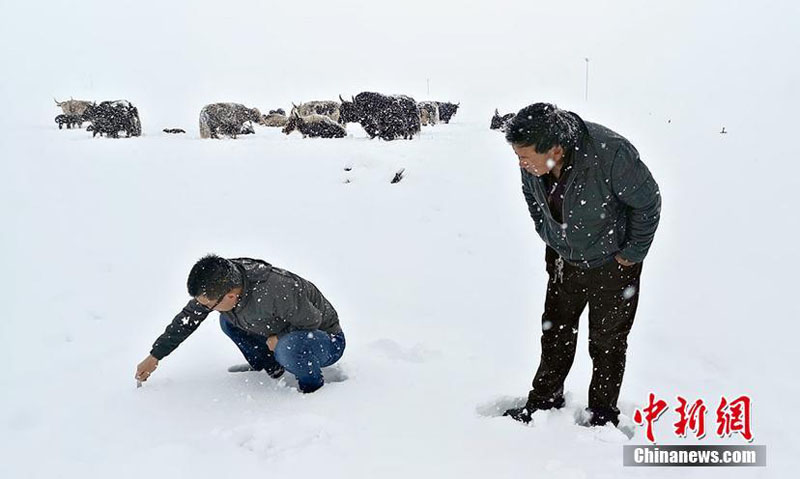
{"points": [[628, 292]]}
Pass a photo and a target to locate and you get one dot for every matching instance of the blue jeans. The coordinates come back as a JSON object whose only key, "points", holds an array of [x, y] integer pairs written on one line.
{"points": [[305, 353], [253, 346], [302, 353]]}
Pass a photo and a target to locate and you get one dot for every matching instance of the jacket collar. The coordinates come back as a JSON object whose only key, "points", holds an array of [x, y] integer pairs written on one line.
{"points": [[580, 155], [244, 297]]}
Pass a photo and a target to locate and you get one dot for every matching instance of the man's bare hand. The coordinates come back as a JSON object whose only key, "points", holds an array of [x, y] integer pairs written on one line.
{"points": [[146, 368], [272, 341], [623, 261]]}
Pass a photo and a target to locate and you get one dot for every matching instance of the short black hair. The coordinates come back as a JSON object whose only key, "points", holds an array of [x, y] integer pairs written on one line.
{"points": [[544, 125], [213, 277]]}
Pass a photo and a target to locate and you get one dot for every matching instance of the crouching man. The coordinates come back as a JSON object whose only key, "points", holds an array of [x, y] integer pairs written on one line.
{"points": [[277, 319]]}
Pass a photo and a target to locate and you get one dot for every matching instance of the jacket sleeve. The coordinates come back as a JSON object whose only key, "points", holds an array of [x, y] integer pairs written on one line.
{"points": [[533, 206], [635, 187], [297, 310], [180, 328]]}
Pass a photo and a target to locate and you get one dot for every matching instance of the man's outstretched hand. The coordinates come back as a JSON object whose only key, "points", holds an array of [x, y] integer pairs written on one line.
{"points": [[146, 368]]}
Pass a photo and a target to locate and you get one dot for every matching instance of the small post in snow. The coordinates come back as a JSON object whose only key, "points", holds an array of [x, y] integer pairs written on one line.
{"points": [[587, 79]]}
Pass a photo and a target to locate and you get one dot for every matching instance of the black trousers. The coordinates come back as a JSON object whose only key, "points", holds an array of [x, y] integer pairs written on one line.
{"points": [[612, 293]]}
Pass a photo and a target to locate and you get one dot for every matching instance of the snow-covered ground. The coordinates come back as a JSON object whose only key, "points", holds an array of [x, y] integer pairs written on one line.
{"points": [[439, 280]]}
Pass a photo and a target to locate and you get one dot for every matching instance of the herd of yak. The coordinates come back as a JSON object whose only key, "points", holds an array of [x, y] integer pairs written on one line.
{"points": [[388, 117]]}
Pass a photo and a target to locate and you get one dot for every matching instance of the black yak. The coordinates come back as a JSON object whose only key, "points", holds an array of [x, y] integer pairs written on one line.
{"points": [[384, 116]]}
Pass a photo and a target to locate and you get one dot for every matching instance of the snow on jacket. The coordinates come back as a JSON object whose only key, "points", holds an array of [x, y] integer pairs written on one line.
{"points": [[273, 301], [611, 206]]}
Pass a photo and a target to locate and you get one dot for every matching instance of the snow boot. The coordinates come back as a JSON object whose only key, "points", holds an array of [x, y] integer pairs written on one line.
{"points": [[603, 416], [274, 370], [523, 414]]}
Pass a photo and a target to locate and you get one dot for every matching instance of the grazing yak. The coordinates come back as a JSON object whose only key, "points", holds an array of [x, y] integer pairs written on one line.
{"points": [[499, 122], [69, 120], [384, 116], [315, 126], [428, 113], [275, 119], [324, 107], [110, 117], [228, 119], [73, 107], [447, 110]]}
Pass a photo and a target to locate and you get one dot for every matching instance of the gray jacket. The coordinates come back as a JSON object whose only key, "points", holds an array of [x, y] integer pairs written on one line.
{"points": [[612, 204], [273, 301]]}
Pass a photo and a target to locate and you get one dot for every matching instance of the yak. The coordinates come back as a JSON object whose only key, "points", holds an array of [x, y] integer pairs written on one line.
{"points": [[387, 117], [321, 107], [110, 117], [275, 119], [500, 122], [447, 110], [315, 126], [69, 120], [73, 107], [227, 118], [428, 112]]}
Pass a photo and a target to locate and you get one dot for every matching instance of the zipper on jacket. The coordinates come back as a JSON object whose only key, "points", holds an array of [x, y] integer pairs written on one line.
{"points": [[564, 206]]}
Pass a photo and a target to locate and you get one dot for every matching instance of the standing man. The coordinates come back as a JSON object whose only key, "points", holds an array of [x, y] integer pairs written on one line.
{"points": [[596, 206], [277, 319]]}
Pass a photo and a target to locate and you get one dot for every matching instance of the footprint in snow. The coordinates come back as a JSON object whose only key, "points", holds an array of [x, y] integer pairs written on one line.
{"points": [[394, 350], [496, 407]]}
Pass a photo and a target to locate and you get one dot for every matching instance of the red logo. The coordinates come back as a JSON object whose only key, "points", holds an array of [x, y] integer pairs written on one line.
{"points": [[652, 412], [692, 418], [732, 417]]}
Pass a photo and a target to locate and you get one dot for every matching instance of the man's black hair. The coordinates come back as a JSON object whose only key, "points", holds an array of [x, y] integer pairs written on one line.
{"points": [[544, 126], [213, 277]]}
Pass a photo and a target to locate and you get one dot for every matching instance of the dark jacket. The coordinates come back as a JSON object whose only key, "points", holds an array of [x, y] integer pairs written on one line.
{"points": [[612, 204], [273, 301]]}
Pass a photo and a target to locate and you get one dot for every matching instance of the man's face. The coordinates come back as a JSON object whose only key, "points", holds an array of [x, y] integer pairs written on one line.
{"points": [[226, 303], [535, 163]]}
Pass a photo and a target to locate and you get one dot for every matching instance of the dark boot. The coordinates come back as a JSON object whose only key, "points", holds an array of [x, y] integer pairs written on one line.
{"points": [[523, 414], [603, 416], [306, 389], [520, 414], [274, 370]]}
